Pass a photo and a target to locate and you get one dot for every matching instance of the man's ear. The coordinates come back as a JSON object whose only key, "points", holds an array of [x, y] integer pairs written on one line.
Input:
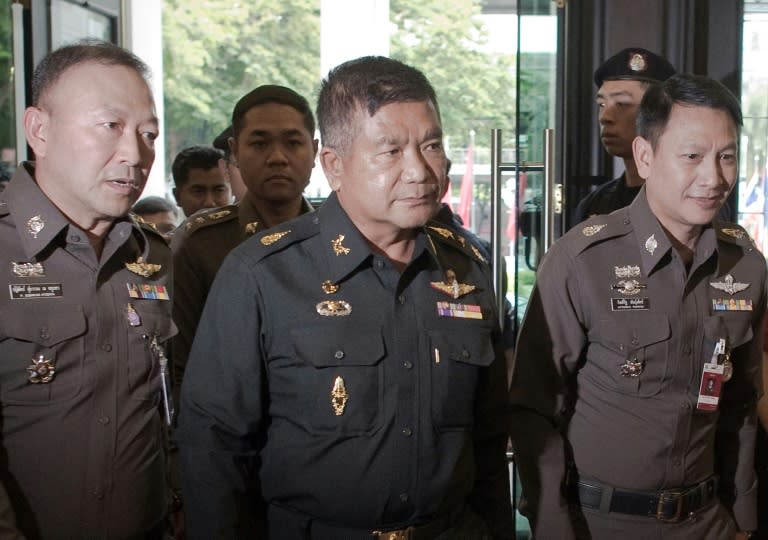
{"points": [[315, 146], [333, 167], [233, 151], [642, 151], [36, 124]]}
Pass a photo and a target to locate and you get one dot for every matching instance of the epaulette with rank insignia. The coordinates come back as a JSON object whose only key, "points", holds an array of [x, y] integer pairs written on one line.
{"points": [[450, 236], [733, 233], [597, 229], [145, 225], [209, 216], [270, 241]]}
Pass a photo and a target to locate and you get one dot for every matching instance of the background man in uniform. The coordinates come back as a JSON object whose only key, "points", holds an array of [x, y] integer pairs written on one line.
{"points": [[81, 431], [612, 436], [198, 182], [157, 211], [621, 81], [368, 393], [274, 150]]}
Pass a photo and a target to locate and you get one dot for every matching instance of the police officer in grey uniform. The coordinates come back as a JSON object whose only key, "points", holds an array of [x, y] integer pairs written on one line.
{"points": [[615, 431], [274, 148], [86, 309], [347, 376], [621, 81]]}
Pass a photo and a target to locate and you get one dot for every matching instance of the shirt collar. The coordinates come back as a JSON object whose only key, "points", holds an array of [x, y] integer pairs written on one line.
{"points": [[653, 242]]}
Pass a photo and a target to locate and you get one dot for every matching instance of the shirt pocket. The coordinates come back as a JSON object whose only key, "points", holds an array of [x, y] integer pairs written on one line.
{"points": [[456, 359], [143, 366], [336, 384], [55, 332], [736, 328], [639, 339]]}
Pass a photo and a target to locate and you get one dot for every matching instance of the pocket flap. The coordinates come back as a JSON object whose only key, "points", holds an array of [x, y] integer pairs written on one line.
{"points": [[475, 348], [328, 347], [46, 325], [633, 332]]}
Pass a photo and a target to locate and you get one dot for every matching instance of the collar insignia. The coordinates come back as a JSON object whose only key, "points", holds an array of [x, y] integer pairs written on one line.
{"points": [[728, 285], [478, 254], [35, 225], [445, 233], [250, 228], [651, 244], [592, 230], [738, 234], [142, 268], [338, 248], [270, 239]]}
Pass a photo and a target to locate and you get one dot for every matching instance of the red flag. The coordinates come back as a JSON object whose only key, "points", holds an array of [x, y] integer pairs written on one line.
{"points": [[447, 195], [465, 196]]}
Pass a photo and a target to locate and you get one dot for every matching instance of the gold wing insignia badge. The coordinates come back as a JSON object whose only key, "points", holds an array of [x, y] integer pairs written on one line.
{"points": [[143, 268]]}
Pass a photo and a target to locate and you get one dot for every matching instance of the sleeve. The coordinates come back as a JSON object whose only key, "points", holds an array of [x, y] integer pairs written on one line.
{"points": [[491, 496], [737, 430], [189, 294], [221, 411], [549, 347]]}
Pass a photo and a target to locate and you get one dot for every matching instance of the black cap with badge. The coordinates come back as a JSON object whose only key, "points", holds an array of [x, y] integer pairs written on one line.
{"points": [[636, 64]]}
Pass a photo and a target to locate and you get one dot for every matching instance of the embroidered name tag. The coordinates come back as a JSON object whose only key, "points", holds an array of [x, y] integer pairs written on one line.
{"points": [[630, 304], [460, 311], [27, 291]]}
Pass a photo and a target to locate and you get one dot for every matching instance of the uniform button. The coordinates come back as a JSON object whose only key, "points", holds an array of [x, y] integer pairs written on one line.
{"points": [[407, 364], [104, 420], [74, 238], [379, 264], [338, 355], [686, 405], [678, 463], [106, 347], [407, 431], [404, 497], [44, 334], [465, 354], [401, 299], [97, 494]]}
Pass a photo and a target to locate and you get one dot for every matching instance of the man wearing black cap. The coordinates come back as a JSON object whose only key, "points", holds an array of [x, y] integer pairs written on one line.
{"points": [[272, 146], [621, 81]]}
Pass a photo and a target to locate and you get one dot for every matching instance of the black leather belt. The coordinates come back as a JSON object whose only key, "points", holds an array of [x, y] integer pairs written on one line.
{"points": [[670, 505]]}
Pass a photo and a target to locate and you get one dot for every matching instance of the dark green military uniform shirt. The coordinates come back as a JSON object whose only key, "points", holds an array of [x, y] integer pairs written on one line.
{"points": [[613, 293], [199, 247], [82, 453], [349, 392]]}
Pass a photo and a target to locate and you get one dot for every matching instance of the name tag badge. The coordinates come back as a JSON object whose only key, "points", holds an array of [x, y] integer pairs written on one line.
{"points": [[710, 387], [32, 291], [630, 304]]}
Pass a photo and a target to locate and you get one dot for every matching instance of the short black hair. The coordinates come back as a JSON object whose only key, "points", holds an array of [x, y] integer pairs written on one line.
{"points": [[368, 83], [272, 93], [51, 68], [194, 157], [687, 90], [152, 205]]}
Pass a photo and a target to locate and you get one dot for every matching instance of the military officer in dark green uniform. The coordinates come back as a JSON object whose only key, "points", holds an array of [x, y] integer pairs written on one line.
{"points": [[274, 148], [617, 429], [621, 82], [347, 379], [85, 310]]}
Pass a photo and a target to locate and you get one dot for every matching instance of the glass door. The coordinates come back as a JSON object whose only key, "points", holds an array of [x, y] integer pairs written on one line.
{"points": [[8, 152]]}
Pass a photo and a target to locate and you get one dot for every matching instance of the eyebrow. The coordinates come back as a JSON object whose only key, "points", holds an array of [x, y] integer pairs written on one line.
{"points": [[266, 133], [614, 94]]}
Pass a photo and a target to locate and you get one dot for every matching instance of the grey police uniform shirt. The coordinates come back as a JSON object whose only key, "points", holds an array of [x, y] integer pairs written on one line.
{"points": [[306, 310], [82, 453], [614, 291], [199, 246]]}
